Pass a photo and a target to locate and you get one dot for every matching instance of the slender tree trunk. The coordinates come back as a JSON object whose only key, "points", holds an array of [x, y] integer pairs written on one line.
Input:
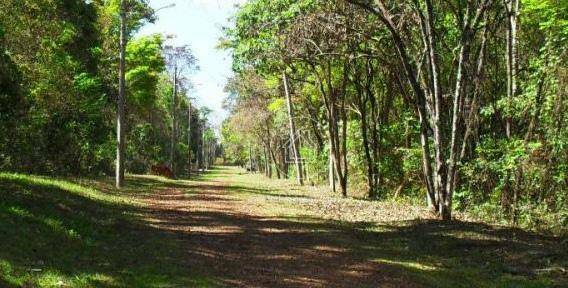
{"points": [[439, 139], [189, 139], [345, 174], [537, 109], [268, 166], [334, 145], [174, 128], [446, 204], [202, 147], [512, 7], [420, 102], [331, 169], [275, 161], [472, 116], [250, 158], [361, 102], [205, 154], [375, 137], [468, 34], [212, 154], [293, 138], [198, 155], [314, 121], [120, 120], [271, 153], [370, 170], [285, 167]]}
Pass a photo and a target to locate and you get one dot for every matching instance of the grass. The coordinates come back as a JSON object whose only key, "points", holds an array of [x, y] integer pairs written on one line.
{"points": [[84, 233]]}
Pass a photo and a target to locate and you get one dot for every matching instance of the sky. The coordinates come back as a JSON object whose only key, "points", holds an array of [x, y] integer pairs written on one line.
{"points": [[198, 23]]}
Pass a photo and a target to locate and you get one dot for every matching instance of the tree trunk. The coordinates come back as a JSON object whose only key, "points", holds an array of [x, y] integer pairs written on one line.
{"points": [[472, 116], [285, 167], [189, 139], [268, 166], [419, 97], [511, 7], [331, 169], [293, 138], [202, 147], [250, 158], [174, 128], [271, 153], [120, 119], [439, 140], [361, 102], [375, 137], [275, 161], [370, 170]]}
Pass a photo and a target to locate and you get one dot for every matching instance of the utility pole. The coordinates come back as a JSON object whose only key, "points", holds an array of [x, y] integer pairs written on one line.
{"points": [[120, 119]]}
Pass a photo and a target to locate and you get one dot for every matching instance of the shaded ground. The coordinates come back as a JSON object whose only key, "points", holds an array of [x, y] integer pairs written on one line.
{"points": [[251, 233], [230, 229], [83, 233]]}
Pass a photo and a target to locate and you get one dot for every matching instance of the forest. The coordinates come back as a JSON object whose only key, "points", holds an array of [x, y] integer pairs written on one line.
{"points": [[59, 88], [331, 143], [460, 105]]}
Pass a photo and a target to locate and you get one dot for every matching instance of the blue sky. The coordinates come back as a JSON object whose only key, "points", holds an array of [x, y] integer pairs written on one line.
{"points": [[198, 23]]}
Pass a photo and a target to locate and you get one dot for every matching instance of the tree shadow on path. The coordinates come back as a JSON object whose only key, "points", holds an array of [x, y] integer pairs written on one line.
{"points": [[228, 240]]}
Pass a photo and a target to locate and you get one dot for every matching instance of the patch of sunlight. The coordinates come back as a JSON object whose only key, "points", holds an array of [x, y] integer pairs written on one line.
{"points": [[472, 235], [413, 265], [62, 185], [216, 230], [100, 279], [276, 257], [290, 230], [302, 280], [57, 226], [6, 271], [20, 212], [161, 179], [5, 267], [329, 249], [52, 279]]}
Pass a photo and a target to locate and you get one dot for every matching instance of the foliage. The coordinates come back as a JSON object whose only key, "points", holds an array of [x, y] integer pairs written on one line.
{"points": [[350, 65], [84, 233], [58, 83]]}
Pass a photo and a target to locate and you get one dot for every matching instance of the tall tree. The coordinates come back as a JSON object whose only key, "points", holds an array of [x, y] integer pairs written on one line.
{"points": [[180, 61], [294, 137], [120, 117]]}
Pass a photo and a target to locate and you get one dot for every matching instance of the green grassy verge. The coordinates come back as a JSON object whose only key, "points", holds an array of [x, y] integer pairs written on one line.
{"points": [[84, 233]]}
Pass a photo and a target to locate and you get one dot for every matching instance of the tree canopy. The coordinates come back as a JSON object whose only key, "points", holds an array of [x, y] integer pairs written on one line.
{"points": [[451, 100]]}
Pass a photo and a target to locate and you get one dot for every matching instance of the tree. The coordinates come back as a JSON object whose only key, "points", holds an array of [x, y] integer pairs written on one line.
{"points": [[293, 135], [180, 60], [11, 102], [120, 117]]}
